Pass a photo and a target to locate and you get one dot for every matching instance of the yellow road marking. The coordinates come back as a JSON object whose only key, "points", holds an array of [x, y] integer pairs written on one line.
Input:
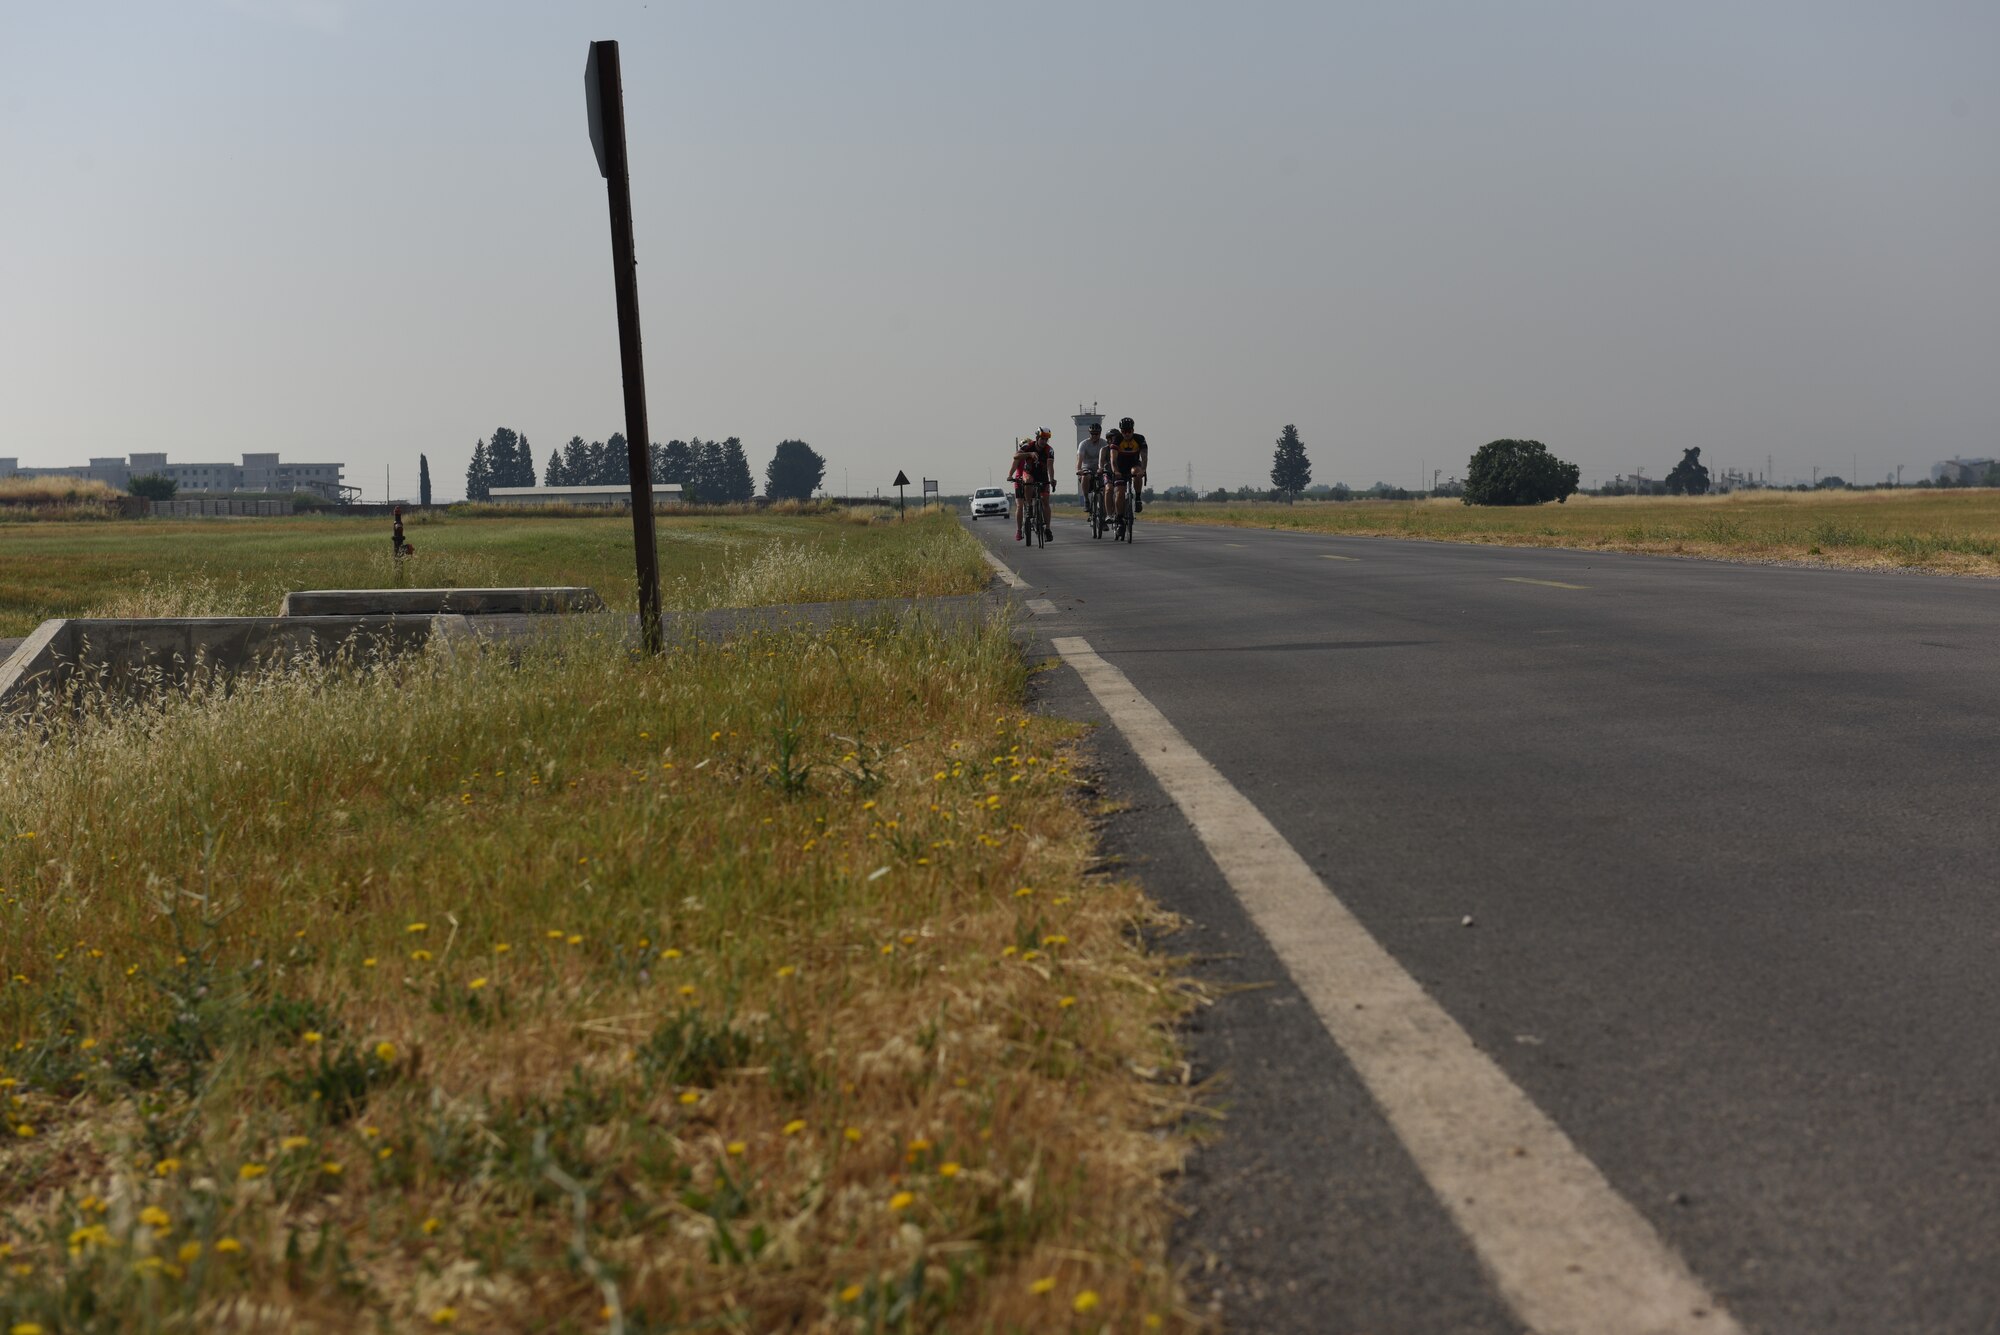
{"points": [[1545, 583], [1326, 556]]}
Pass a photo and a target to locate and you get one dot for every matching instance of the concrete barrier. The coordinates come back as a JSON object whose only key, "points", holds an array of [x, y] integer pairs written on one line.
{"points": [[432, 602], [132, 657]]}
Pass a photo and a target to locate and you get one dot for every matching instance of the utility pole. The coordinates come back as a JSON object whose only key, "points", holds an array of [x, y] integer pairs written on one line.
{"points": [[604, 93]]}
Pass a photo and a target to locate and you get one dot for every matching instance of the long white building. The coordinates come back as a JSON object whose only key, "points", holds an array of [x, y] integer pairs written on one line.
{"points": [[257, 472]]}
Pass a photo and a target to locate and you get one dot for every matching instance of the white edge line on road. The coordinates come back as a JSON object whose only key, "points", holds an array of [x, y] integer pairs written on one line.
{"points": [[1041, 607], [1545, 583], [1329, 556], [1566, 1251], [1014, 581]]}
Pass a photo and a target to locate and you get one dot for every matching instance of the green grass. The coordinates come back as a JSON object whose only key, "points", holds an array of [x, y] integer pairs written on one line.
{"points": [[757, 986], [1955, 532], [246, 566]]}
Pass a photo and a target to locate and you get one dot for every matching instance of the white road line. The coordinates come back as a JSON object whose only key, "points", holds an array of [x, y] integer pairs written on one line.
{"points": [[1568, 1253], [1328, 556], [1014, 581], [1041, 607], [1545, 583]]}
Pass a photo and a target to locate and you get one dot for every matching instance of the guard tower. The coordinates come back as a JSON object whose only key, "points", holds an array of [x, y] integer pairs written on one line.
{"points": [[1086, 420]]}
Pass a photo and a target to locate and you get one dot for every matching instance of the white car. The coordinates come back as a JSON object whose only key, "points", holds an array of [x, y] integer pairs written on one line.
{"points": [[989, 501]]}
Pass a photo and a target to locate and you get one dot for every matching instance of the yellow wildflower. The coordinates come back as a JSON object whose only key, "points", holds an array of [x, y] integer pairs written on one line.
{"points": [[1085, 1302], [902, 1200], [385, 1051], [476, 984], [796, 1125], [431, 1225], [290, 1143], [947, 1170], [1046, 1284], [418, 927], [228, 1246], [847, 1295], [310, 1037], [736, 1149], [250, 1172]]}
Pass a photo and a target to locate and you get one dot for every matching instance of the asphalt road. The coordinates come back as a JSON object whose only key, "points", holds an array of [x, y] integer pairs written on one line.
{"points": [[1729, 838]]}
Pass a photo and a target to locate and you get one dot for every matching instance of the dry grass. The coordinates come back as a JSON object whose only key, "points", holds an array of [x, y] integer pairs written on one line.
{"points": [[756, 987], [1954, 532], [46, 490]]}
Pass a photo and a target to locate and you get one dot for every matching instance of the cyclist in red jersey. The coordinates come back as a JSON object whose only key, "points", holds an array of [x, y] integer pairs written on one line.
{"points": [[1033, 476]]}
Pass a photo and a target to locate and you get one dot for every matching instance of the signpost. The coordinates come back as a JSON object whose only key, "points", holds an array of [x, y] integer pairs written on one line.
{"points": [[902, 480], [604, 97], [930, 489]]}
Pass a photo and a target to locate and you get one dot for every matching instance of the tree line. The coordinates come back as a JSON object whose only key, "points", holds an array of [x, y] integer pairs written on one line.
{"points": [[715, 472]]}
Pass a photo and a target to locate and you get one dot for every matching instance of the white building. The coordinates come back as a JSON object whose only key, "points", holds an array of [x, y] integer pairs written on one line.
{"points": [[257, 472], [1961, 472], [664, 493]]}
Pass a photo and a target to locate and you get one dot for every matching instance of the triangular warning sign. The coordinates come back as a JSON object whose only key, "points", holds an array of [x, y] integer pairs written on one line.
{"points": [[902, 479]]}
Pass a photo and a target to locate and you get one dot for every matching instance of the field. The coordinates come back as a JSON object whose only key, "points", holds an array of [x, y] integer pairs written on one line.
{"points": [[1955, 532], [227, 567], [758, 986]]}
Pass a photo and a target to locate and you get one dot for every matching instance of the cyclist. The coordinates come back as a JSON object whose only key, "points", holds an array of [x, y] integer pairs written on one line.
{"points": [[1088, 453], [1032, 475], [1047, 452], [1128, 470]]}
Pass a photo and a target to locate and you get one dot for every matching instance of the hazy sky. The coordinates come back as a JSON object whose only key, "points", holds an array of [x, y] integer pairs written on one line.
{"points": [[909, 233]]}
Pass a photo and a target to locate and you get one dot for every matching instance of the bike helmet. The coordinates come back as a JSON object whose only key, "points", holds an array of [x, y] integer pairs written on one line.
{"points": [[1043, 434], [1125, 424]]}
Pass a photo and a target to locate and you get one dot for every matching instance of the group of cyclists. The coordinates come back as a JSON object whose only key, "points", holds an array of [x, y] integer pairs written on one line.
{"points": [[1110, 477]]}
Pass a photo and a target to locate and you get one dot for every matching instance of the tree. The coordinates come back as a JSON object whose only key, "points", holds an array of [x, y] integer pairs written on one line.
{"points": [[736, 486], [153, 487], [1517, 472], [479, 475], [576, 463], [616, 470], [794, 472], [705, 477], [502, 458], [524, 465], [424, 481], [676, 463], [1291, 471], [552, 475], [1689, 477]]}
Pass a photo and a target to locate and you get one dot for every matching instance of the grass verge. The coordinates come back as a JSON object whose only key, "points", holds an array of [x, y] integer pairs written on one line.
{"points": [[757, 986], [1950, 532], [244, 567]]}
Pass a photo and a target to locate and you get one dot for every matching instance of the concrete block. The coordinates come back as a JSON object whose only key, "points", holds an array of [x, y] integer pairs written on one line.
{"points": [[431, 602]]}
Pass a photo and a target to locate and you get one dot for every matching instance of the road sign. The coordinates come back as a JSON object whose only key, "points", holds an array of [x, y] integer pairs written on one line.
{"points": [[902, 480], [930, 486]]}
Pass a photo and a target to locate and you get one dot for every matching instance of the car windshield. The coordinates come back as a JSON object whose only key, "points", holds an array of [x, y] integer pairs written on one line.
{"points": [[989, 491]]}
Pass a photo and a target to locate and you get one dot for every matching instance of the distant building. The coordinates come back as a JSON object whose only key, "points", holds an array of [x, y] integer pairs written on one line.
{"points": [[664, 493], [257, 472], [1961, 472]]}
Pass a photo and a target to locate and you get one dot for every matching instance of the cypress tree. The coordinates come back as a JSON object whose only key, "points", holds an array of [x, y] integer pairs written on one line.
{"points": [[479, 474]]}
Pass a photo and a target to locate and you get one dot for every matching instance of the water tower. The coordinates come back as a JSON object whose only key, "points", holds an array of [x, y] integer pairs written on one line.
{"points": [[1086, 420]]}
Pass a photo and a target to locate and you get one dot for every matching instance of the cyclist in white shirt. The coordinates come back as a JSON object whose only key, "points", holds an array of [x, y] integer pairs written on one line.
{"points": [[1088, 453]]}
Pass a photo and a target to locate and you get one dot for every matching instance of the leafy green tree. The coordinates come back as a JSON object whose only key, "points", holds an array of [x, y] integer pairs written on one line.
{"points": [[502, 458], [794, 472], [576, 463], [706, 475], [617, 468], [1517, 472], [677, 462], [1291, 471], [153, 487], [736, 484], [479, 475], [424, 481], [1690, 476]]}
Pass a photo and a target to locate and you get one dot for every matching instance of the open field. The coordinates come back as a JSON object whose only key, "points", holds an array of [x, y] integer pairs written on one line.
{"points": [[223, 567], [753, 987], [1955, 532]]}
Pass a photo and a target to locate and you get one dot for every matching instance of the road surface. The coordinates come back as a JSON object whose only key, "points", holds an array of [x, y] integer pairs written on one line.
{"points": [[1728, 841]]}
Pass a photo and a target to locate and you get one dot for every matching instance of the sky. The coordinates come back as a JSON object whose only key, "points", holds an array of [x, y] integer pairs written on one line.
{"points": [[911, 233]]}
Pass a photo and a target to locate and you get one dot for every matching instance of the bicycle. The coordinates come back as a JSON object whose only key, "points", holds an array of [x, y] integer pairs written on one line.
{"points": [[1128, 496], [1093, 504], [1028, 515]]}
